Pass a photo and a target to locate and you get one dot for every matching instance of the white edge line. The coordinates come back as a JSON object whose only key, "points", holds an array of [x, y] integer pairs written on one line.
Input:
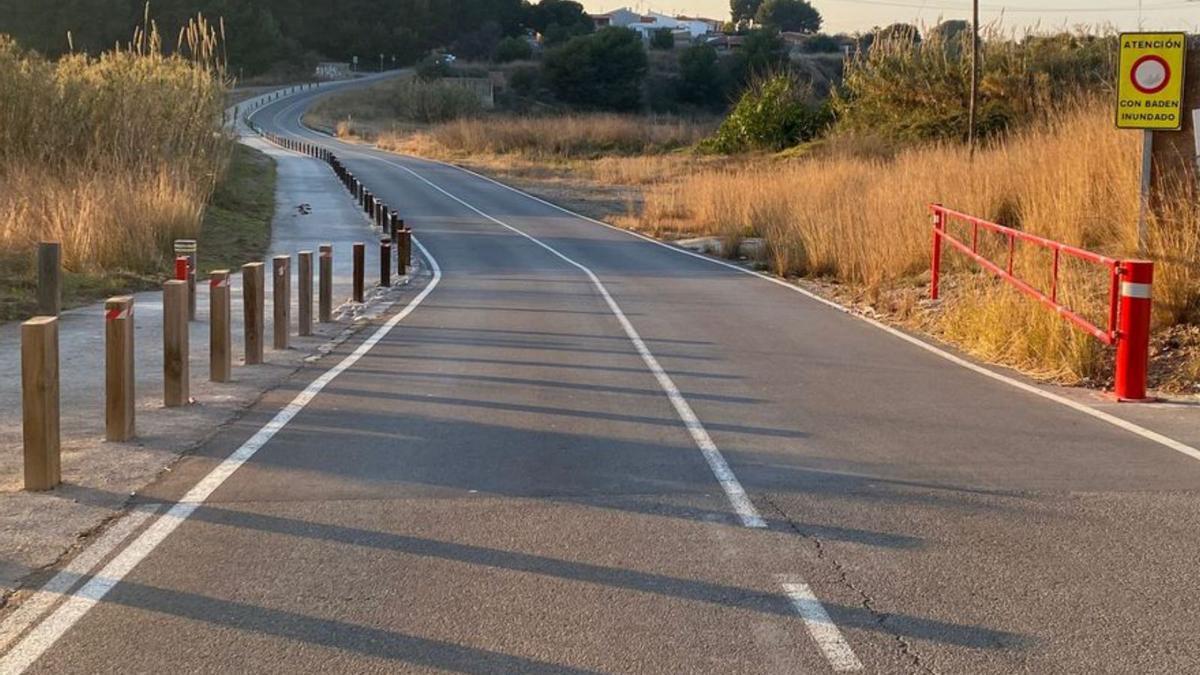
{"points": [[822, 629], [40, 602], [1109, 418], [49, 631], [728, 481]]}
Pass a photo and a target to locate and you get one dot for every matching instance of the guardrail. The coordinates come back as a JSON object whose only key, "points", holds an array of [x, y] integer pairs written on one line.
{"points": [[1128, 323]]}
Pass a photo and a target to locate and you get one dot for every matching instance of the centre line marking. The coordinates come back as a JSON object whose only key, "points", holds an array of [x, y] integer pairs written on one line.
{"points": [[822, 629], [45, 634], [732, 487]]}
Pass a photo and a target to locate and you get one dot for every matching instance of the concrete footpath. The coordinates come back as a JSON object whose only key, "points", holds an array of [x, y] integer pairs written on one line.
{"points": [[36, 529]]}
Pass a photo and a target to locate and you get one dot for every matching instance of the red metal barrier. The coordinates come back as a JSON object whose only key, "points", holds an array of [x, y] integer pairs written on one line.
{"points": [[1128, 326]]}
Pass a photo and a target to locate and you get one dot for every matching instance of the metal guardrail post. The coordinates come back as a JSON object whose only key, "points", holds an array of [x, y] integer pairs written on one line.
{"points": [[935, 272]]}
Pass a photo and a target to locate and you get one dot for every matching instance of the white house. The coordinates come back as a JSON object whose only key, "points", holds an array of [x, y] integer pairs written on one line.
{"points": [[646, 24]]}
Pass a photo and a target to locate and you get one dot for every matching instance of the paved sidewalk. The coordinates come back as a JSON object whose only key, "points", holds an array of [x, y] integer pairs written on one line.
{"points": [[37, 529]]}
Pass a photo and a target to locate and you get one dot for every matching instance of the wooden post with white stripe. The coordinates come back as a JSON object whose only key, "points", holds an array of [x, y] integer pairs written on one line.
{"points": [[220, 332], [176, 376], [118, 369], [39, 402]]}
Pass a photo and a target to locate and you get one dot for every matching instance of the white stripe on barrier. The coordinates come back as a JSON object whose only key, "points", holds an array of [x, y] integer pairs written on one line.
{"points": [[1130, 289]]}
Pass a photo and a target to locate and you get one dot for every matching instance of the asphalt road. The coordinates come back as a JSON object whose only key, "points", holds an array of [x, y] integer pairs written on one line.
{"points": [[522, 475]]}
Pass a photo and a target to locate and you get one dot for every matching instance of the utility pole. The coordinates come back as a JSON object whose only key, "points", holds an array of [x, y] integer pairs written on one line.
{"points": [[974, 78]]}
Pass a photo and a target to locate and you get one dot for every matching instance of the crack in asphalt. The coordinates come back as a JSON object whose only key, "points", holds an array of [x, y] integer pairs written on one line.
{"points": [[865, 599]]}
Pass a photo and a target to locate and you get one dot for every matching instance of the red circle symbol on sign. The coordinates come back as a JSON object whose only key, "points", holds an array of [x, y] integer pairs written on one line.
{"points": [[1150, 74]]}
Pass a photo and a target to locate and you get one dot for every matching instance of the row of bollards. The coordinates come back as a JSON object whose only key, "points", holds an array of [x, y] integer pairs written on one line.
{"points": [[40, 338]]}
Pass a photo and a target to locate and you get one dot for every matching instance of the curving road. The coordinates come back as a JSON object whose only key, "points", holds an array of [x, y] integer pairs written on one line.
{"points": [[577, 450]]}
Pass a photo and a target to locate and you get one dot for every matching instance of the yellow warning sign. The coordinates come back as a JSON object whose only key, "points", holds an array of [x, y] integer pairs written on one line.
{"points": [[1150, 81]]}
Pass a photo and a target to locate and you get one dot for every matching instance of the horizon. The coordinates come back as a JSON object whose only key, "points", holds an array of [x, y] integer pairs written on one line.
{"points": [[849, 16]]}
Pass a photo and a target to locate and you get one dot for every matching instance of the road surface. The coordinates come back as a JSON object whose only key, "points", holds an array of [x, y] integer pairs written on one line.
{"points": [[576, 450]]}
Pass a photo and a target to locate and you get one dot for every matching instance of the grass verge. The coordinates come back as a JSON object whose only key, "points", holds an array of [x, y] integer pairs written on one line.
{"points": [[237, 223]]}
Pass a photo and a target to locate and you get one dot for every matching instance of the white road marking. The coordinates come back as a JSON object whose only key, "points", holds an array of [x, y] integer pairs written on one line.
{"points": [[1077, 406], [45, 634], [822, 629], [40, 602], [734, 491]]}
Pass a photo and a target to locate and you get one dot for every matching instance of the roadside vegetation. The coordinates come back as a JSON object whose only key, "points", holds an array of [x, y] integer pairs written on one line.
{"points": [[832, 168], [113, 156]]}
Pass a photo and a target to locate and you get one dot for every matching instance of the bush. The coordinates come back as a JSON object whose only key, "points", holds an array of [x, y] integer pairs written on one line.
{"points": [[700, 80], [663, 38], [433, 67], [904, 90], [436, 101], [820, 44], [762, 52], [513, 49], [525, 80], [602, 71], [774, 113]]}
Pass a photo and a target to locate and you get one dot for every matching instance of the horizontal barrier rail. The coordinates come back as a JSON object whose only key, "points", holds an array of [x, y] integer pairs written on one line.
{"points": [[1128, 321]]}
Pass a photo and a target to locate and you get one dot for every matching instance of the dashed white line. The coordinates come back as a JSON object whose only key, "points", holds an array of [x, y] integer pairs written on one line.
{"points": [[49, 631], [822, 628]]}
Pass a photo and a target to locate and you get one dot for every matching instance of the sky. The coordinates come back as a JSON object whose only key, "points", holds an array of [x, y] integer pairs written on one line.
{"points": [[861, 15]]}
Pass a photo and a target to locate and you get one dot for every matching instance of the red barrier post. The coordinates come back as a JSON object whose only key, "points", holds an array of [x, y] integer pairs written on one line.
{"points": [[181, 268], [935, 270], [1133, 341]]}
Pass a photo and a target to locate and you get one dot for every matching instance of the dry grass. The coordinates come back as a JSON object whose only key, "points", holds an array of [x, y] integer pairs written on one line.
{"points": [[864, 222], [112, 156], [560, 138]]}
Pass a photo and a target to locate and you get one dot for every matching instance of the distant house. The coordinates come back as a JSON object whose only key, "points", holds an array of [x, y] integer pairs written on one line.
{"points": [[646, 24]]}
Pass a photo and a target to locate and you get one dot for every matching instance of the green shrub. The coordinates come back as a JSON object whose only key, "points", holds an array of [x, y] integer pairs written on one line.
{"points": [[513, 49], [663, 38], [525, 80], [700, 78], [433, 67], [433, 101], [774, 113], [908, 90], [603, 70]]}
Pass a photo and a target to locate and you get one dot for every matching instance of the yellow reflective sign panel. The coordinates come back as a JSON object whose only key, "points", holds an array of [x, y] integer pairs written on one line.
{"points": [[1150, 81]]}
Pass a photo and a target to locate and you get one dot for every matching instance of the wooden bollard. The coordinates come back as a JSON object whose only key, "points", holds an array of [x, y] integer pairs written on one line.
{"points": [[118, 369], [282, 275], [49, 278], [39, 402], [385, 262], [360, 250], [253, 299], [325, 301], [305, 280], [220, 331], [176, 376], [405, 251]]}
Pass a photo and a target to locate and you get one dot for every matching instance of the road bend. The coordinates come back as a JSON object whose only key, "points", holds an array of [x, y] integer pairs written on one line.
{"points": [[580, 451]]}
